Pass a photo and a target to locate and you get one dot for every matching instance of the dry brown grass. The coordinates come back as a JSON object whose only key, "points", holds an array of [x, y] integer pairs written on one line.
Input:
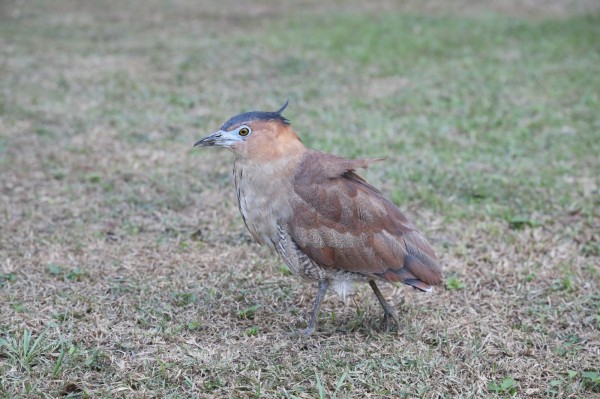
{"points": [[122, 250]]}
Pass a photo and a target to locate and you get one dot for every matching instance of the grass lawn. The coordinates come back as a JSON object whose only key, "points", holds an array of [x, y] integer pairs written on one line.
{"points": [[126, 270]]}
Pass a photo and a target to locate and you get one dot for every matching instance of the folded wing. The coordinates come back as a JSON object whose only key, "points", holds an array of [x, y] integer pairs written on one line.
{"points": [[342, 222]]}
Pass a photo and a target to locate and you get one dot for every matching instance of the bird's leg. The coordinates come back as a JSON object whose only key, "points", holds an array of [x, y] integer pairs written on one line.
{"points": [[388, 310], [312, 321]]}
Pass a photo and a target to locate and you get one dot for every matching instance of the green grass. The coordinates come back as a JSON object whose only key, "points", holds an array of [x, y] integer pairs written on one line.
{"points": [[125, 268], [494, 112]]}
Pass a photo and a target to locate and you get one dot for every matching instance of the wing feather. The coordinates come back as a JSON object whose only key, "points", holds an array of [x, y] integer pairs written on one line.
{"points": [[342, 222]]}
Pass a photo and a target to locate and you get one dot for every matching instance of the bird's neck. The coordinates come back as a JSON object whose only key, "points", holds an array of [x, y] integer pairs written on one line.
{"points": [[271, 168], [263, 187]]}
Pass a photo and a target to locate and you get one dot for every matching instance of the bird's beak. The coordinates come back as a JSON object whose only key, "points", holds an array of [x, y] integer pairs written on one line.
{"points": [[220, 138], [209, 140]]}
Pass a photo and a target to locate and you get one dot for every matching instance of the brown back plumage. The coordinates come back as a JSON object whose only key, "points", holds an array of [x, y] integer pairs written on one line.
{"points": [[342, 222]]}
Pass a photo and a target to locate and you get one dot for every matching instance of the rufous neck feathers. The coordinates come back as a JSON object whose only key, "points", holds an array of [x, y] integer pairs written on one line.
{"points": [[270, 141]]}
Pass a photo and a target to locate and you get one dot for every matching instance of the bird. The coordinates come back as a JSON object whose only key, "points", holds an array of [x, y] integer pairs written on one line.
{"points": [[319, 215]]}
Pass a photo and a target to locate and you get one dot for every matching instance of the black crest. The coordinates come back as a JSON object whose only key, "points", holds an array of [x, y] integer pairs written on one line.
{"points": [[257, 115]]}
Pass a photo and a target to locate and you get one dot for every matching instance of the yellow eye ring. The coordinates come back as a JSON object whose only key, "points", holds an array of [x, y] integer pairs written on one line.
{"points": [[244, 131]]}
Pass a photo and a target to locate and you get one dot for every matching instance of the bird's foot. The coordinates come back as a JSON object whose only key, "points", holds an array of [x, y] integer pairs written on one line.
{"points": [[302, 334], [307, 332], [390, 319]]}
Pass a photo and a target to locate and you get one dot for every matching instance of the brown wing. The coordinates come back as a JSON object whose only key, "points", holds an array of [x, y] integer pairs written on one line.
{"points": [[342, 222]]}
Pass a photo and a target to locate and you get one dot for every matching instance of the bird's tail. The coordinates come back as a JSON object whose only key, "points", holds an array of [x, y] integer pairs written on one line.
{"points": [[415, 273], [403, 275], [418, 284]]}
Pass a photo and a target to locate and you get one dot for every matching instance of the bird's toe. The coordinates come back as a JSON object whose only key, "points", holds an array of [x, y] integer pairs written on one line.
{"points": [[389, 321], [303, 334], [307, 332]]}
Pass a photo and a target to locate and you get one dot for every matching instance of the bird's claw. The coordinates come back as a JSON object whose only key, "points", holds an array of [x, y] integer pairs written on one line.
{"points": [[386, 326], [307, 332], [302, 334]]}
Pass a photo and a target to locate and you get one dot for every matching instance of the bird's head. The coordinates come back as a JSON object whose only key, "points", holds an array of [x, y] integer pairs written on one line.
{"points": [[258, 135]]}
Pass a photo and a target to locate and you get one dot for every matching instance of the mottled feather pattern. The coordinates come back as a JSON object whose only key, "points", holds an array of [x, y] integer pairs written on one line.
{"points": [[342, 222]]}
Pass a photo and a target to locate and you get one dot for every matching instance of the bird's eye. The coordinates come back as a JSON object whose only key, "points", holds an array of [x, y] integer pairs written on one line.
{"points": [[244, 131]]}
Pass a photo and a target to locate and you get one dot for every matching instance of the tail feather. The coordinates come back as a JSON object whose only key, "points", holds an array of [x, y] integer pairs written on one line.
{"points": [[422, 269], [414, 273], [418, 284], [421, 260]]}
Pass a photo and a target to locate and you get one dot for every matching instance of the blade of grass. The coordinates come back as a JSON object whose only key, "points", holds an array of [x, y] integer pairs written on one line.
{"points": [[320, 386], [340, 383]]}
